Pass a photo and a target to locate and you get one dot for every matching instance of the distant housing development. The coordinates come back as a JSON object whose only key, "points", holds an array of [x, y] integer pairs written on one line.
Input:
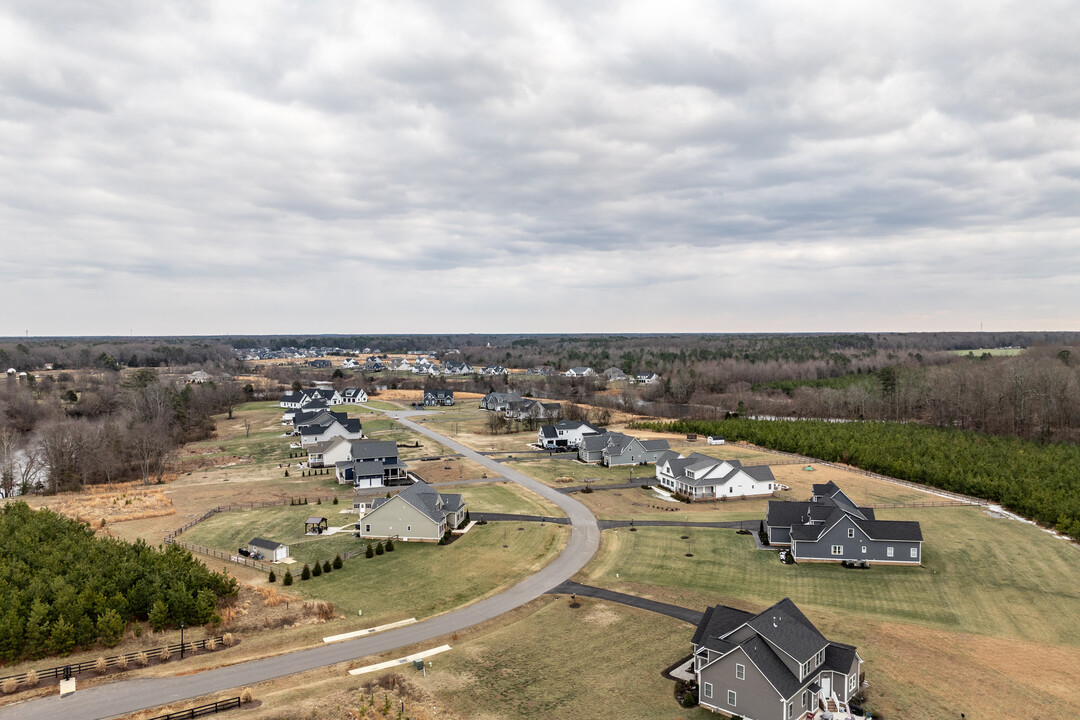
{"points": [[831, 528]]}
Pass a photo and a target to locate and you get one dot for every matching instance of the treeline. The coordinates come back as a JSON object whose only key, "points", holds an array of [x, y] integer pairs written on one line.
{"points": [[61, 587], [111, 354], [1038, 481], [61, 435]]}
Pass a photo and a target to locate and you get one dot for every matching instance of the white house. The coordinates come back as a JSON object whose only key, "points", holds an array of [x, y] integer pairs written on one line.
{"points": [[700, 477], [351, 395], [311, 434], [565, 434], [268, 549], [580, 372], [330, 452], [715, 440], [350, 363], [648, 378]]}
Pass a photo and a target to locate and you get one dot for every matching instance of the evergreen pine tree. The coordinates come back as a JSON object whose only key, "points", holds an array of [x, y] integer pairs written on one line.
{"points": [[305, 574], [337, 562], [317, 570], [287, 580]]}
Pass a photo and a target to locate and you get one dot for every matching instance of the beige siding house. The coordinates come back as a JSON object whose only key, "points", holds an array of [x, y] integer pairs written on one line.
{"points": [[417, 513]]}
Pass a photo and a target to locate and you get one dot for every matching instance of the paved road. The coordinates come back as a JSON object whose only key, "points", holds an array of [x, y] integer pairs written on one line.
{"points": [[679, 613], [514, 517], [128, 696]]}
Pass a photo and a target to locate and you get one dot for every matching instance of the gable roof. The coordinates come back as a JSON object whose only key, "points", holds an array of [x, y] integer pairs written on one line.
{"points": [[265, 544], [428, 500], [373, 449], [785, 627]]}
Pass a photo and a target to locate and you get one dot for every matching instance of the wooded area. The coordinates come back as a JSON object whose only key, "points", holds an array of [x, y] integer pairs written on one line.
{"points": [[1036, 480], [62, 587]]}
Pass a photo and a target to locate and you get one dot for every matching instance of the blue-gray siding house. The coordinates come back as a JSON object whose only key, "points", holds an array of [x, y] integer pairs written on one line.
{"points": [[771, 666], [831, 528]]}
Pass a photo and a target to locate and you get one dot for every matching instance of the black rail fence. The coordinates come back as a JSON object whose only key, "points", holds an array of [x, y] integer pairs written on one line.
{"points": [[207, 709], [67, 671], [231, 557]]}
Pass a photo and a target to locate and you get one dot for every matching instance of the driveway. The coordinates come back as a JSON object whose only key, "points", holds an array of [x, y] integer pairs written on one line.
{"points": [[128, 696]]}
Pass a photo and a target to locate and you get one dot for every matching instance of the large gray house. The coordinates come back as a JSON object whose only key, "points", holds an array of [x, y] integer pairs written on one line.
{"points": [[771, 666], [372, 464], [831, 528], [614, 449], [419, 512]]}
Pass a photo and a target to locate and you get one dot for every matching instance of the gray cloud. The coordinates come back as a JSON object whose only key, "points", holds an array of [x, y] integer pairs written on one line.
{"points": [[200, 167]]}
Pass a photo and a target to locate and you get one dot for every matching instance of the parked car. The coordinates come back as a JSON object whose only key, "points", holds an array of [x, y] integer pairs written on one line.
{"points": [[244, 551]]}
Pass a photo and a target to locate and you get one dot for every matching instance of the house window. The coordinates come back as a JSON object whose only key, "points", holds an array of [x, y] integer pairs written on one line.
{"points": [[804, 698], [851, 682], [851, 532], [408, 528], [706, 690], [731, 489], [367, 528], [863, 549], [740, 672], [731, 698], [790, 709], [889, 551], [837, 549], [914, 552]]}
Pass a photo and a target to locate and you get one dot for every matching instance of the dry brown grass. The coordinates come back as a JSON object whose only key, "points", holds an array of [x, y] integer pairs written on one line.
{"points": [[112, 504]]}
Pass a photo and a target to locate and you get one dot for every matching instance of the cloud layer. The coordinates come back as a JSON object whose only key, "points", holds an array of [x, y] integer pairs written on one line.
{"points": [[423, 167]]}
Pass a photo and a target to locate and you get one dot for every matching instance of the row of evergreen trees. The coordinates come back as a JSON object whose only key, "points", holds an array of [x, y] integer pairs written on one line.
{"points": [[1033, 479], [62, 587]]}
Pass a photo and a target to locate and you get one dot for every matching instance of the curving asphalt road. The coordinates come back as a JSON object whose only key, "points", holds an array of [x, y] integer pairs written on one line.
{"points": [[128, 696]]}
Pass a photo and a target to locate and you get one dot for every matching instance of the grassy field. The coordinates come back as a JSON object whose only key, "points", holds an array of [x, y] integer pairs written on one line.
{"points": [[639, 504], [506, 497], [538, 666], [988, 581], [548, 470], [396, 585]]}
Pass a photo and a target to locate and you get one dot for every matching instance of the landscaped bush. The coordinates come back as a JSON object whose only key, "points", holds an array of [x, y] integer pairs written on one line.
{"points": [[272, 578], [326, 566], [316, 571], [379, 550], [338, 562], [101, 666], [370, 552], [305, 574], [227, 639], [49, 604], [287, 580], [142, 659], [10, 685], [390, 545]]}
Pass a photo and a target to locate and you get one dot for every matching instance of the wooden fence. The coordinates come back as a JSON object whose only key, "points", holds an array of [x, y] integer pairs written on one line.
{"points": [[170, 538], [65, 671], [207, 709]]}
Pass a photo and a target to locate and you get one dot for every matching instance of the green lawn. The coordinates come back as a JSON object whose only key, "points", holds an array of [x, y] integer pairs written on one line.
{"points": [[980, 575], [503, 497], [396, 585]]}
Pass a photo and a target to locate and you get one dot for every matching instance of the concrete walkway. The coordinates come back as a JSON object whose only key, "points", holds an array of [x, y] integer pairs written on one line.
{"points": [[124, 697], [679, 613]]}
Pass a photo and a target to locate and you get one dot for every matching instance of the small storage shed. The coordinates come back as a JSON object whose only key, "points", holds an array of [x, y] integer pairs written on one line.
{"points": [[315, 526], [715, 440], [269, 549]]}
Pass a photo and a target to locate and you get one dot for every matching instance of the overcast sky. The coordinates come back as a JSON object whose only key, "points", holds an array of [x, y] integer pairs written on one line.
{"points": [[342, 167]]}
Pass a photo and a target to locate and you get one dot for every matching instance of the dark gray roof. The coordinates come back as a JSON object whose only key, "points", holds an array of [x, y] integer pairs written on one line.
{"points": [[315, 520], [654, 445], [786, 513], [265, 544], [839, 657], [429, 501], [374, 449], [900, 530], [718, 621], [549, 431], [784, 626], [770, 664]]}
